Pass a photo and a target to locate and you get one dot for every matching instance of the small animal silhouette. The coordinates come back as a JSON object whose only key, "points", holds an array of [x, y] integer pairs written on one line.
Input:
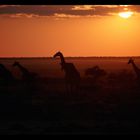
{"points": [[26, 75], [95, 72], [72, 76]]}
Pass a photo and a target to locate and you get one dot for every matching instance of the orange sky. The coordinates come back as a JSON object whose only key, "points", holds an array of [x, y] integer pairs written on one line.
{"points": [[78, 33]]}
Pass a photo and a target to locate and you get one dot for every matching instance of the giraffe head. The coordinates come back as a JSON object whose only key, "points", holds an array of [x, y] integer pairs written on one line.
{"points": [[62, 59], [130, 61], [57, 54], [15, 63]]}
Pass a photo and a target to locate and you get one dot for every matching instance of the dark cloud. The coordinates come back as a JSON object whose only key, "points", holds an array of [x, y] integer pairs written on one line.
{"points": [[135, 8], [75, 10], [34, 9]]}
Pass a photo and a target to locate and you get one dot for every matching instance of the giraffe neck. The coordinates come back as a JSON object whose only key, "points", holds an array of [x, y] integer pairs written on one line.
{"points": [[136, 69], [62, 59], [23, 70]]}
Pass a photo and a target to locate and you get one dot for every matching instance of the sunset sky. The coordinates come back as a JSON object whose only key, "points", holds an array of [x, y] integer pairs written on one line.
{"points": [[76, 30]]}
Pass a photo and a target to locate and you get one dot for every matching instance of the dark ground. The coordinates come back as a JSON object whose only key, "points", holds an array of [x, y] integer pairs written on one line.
{"points": [[43, 107]]}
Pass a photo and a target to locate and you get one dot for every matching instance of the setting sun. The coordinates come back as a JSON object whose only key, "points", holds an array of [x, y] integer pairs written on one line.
{"points": [[125, 14]]}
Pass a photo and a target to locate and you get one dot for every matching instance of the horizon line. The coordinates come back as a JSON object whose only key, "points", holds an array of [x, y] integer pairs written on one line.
{"points": [[24, 57]]}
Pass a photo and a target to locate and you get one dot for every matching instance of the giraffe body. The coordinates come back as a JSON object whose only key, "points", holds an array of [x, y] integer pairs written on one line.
{"points": [[5, 75]]}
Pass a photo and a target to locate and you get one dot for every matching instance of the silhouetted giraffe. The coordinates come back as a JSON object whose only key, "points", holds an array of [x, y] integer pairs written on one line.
{"points": [[72, 76], [136, 69], [5, 75], [26, 75]]}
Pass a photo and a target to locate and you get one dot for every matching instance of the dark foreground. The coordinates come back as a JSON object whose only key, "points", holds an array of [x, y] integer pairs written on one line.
{"points": [[44, 107]]}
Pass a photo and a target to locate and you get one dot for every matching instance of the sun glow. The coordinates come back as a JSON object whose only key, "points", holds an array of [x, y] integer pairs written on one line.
{"points": [[125, 14]]}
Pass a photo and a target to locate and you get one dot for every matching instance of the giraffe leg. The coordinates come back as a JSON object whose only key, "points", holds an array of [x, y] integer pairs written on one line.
{"points": [[71, 88], [67, 88], [77, 88]]}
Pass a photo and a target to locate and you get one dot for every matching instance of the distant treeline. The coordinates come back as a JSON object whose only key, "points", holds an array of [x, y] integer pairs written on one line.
{"points": [[80, 57]]}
